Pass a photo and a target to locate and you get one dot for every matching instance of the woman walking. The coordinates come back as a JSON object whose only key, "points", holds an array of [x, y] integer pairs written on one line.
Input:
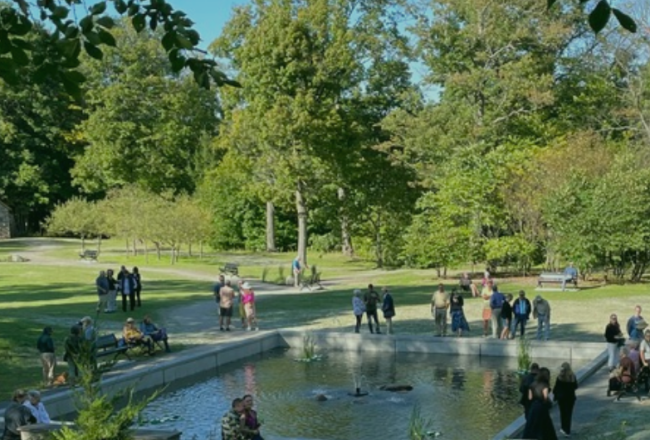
{"points": [[137, 284], [388, 307], [248, 300], [565, 396], [458, 321], [358, 308], [613, 336], [539, 425]]}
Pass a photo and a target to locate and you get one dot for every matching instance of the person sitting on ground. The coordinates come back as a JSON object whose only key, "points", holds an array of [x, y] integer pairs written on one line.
{"points": [[624, 374], [467, 285], [231, 422], [148, 328], [34, 404], [17, 415], [133, 336], [636, 325]]}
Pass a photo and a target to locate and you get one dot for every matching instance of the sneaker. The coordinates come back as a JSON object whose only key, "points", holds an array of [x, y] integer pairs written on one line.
{"points": [[564, 433]]}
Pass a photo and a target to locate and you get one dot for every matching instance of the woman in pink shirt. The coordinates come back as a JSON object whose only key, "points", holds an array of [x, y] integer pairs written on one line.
{"points": [[248, 300]]}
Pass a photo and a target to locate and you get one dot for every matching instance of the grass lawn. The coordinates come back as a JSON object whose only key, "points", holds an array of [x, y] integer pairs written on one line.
{"points": [[55, 289]]}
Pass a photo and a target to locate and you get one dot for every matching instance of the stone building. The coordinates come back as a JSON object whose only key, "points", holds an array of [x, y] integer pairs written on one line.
{"points": [[6, 221]]}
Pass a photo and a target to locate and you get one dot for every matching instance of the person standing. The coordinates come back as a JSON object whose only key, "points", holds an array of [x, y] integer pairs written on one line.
{"points": [[137, 285], [371, 299], [248, 300], [127, 287], [45, 346], [525, 385], [539, 424], [644, 358], [439, 307], [226, 301], [17, 415], [542, 312], [388, 308], [496, 305], [358, 308], [458, 321], [102, 291], [506, 317], [297, 268], [564, 392], [36, 407], [221, 282], [72, 346], [636, 324], [232, 420], [521, 309], [111, 300], [613, 336], [486, 295]]}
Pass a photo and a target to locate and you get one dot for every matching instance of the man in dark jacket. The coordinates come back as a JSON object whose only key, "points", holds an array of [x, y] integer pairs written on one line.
{"points": [[521, 308], [127, 287], [526, 382], [17, 415]]}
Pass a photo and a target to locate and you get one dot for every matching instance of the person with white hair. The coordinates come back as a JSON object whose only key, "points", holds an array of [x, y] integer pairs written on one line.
{"points": [[358, 308], [34, 404], [87, 328]]}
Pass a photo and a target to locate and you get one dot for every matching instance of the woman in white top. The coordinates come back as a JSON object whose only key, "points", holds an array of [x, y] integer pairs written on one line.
{"points": [[37, 408], [358, 307]]}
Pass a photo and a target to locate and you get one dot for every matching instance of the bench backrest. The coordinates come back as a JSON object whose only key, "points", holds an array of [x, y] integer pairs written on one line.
{"points": [[106, 341], [231, 266]]}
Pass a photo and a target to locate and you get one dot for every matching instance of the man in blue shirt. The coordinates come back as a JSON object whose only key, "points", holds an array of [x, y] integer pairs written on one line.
{"points": [[297, 271], [496, 303], [572, 272]]}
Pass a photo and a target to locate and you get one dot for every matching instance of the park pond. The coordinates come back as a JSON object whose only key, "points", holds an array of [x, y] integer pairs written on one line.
{"points": [[460, 397]]}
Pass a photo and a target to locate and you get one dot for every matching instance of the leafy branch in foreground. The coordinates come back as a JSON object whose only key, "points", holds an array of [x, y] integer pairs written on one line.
{"points": [[602, 12], [57, 55]]}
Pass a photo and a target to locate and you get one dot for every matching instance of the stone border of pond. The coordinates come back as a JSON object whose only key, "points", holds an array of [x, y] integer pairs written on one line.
{"points": [[185, 368]]}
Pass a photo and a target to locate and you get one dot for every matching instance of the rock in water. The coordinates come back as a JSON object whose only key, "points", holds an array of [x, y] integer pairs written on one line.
{"points": [[321, 398], [396, 388]]}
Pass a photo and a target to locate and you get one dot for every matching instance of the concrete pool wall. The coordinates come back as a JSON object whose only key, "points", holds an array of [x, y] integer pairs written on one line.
{"points": [[186, 367]]}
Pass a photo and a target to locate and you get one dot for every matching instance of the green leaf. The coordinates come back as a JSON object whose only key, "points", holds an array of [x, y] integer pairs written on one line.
{"points": [[93, 38], [120, 6], [71, 32], [74, 76], [70, 63], [26, 45], [599, 17], [133, 9], [138, 22], [8, 71], [193, 36], [550, 3], [106, 22], [98, 8], [93, 51], [625, 21], [183, 42], [19, 56], [176, 60], [72, 88], [168, 40], [70, 48], [44, 72], [60, 12], [87, 24], [153, 23], [107, 38], [21, 27]]}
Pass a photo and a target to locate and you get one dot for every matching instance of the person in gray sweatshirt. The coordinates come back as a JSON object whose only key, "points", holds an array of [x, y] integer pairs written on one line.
{"points": [[542, 312]]}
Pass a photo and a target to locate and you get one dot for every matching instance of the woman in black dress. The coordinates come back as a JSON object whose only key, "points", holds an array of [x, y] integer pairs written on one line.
{"points": [[539, 425], [137, 281], [565, 395]]}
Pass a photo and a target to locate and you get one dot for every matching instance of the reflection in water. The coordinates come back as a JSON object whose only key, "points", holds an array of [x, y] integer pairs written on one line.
{"points": [[446, 388]]}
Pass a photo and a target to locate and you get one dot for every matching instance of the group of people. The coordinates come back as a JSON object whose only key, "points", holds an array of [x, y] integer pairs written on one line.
{"points": [[241, 421], [128, 284], [368, 303], [244, 299], [537, 397], [26, 408], [628, 359]]}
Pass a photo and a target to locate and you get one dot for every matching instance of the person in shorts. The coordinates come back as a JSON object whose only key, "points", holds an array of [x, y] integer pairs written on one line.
{"points": [[226, 301]]}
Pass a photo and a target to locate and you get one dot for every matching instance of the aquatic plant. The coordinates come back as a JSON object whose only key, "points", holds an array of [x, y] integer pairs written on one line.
{"points": [[420, 427], [309, 349], [265, 274], [524, 357]]}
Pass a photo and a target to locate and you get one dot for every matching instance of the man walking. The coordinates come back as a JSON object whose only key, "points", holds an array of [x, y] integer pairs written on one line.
{"points": [[45, 346], [226, 300], [371, 299], [521, 309], [496, 304], [542, 312], [102, 291], [439, 307]]}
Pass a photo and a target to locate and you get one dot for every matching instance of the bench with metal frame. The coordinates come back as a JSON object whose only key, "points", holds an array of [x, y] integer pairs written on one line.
{"points": [[89, 254], [557, 278], [230, 268], [313, 281], [108, 345]]}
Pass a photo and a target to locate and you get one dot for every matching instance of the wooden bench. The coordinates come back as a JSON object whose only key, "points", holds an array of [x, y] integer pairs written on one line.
{"points": [[231, 268], [88, 254], [313, 281], [557, 278], [108, 345]]}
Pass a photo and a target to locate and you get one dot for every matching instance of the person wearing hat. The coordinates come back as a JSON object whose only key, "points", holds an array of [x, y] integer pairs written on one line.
{"points": [[636, 325], [133, 336], [248, 301], [542, 312], [17, 415], [358, 308], [45, 346]]}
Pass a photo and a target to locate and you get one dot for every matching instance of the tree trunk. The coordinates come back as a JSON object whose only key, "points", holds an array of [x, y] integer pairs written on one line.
{"points": [[83, 243], [270, 227], [346, 239], [157, 244], [201, 249], [379, 252], [189, 249], [127, 247], [172, 257], [301, 209], [135, 248], [99, 244], [146, 251]]}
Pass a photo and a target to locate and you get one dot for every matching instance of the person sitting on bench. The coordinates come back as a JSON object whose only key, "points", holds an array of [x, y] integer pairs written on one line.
{"points": [[133, 336], [573, 273], [624, 375], [150, 329]]}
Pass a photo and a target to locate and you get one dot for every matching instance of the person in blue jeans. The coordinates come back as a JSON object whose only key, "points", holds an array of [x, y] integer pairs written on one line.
{"points": [[542, 312], [521, 309]]}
